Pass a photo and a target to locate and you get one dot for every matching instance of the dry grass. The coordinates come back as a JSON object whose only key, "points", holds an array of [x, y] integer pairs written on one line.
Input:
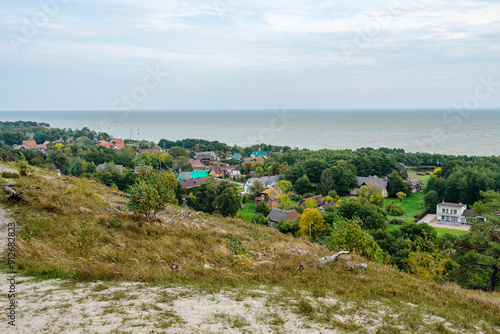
{"points": [[70, 230]]}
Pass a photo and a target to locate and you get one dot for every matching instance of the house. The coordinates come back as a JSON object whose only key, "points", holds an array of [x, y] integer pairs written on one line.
{"points": [[141, 168], [188, 184], [185, 176], [221, 171], [118, 143], [364, 181], [322, 207], [250, 160], [148, 150], [415, 184], [102, 167], [237, 157], [277, 215], [270, 196], [262, 155], [453, 213], [205, 157], [105, 144], [29, 144], [317, 198], [197, 165], [267, 181]]}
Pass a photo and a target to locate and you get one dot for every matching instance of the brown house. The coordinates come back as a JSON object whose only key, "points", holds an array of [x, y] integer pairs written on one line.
{"points": [[317, 198], [270, 196], [276, 215], [415, 184]]}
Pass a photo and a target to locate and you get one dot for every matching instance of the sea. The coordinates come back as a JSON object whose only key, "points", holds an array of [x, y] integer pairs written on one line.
{"points": [[443, 131]]}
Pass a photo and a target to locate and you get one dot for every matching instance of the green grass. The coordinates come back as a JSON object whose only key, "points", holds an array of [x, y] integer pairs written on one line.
{"points": [[442, 230], [248, 210]]}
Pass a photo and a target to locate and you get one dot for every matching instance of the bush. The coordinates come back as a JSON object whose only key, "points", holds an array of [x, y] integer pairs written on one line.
{"points": [[397, 221], [262, 208], [259, 218], [395, 209], [23, 166], [288, 227], [10, 175], [420, 173]]}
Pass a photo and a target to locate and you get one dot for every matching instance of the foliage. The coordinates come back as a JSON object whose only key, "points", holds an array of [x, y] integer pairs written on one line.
{"points": [[259, 218], [401, 195], [285, 186], [431, 200], [394, 209], [227, 201], [348, 235], [311, 223], [288, 227], [429, 264], [204, 198], [395, 184], [397, 221], [371, 215], [283, 200], [256, 188], [303, 185], [310, 203], [478, 252], [152, 192], [326, 183], [262, 208], [22, 166]]}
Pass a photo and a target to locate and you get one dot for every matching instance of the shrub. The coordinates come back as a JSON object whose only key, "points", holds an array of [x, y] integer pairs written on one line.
{"points": [[10, 175], [420, 173], [288, 227], [259, 218], [262, 208], [23, 167], [397, 221], [395, 209]]}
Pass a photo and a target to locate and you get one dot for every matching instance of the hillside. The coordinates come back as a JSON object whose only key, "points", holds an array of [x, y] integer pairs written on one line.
{"points": [[85, 264]]}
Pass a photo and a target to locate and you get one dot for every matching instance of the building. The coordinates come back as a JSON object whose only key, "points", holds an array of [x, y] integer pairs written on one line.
{"points": [[259, 155], [270, 196], [197, 165], [453, 213], [102, 167], [278, 215], [118, 143], [364, 181], [205, 157], [141, 168], [250, 160], [188, 184], [317, 198], [267, 181], [237, 157], [221, 171], [415, 184], [148, 150], [185, 176]]}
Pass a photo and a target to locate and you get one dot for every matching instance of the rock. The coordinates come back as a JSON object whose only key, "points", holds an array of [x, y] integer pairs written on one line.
{"points": [[207, 266], [262, 262], [174, 267], [332, 258], [298, 251]]}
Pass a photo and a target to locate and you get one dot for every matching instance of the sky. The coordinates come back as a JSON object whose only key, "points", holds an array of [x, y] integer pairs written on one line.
{"points": [[252, 54]]}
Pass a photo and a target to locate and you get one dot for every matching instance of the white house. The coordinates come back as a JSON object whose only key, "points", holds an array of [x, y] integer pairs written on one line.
{"points": [[267, 181], [453, 213]]}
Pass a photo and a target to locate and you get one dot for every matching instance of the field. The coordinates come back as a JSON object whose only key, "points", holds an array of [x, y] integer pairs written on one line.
{"points": [[119, 265]]}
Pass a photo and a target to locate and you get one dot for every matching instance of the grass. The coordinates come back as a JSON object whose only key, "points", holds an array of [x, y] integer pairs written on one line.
{"points": [[70, 221]]}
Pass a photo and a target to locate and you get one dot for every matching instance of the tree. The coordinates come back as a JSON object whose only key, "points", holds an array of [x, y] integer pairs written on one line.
{"points": [[373, 192], [256, 188], [344, 176], [395, 184], [326, 183], [431, 200], [151, 193], [394, 209], [204, 198], [183, 164], [401, 195], [310, 203], [262, 208], [348, 235], [178, 151], [478, 252], [285, 186], [303, 185], [311, 223], [227, 201], [283, 200]]}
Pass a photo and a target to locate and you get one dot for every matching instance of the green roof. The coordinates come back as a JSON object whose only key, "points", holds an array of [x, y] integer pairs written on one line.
{"points": [[260, 154], [199, 174]]}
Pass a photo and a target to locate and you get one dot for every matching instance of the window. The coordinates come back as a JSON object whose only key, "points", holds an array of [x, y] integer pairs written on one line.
{"points": [[442, 217], [455, 211], [443, 211]]}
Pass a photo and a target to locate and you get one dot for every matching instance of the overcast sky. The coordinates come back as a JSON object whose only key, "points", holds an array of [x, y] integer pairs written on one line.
{"points": [[252, 54]]}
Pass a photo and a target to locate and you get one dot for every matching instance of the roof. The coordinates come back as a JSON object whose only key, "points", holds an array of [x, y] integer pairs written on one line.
{"points": [[187, 184], [102, 167], [454, 205], [414, 182], [197, 164], [184, 176], [198, 174], [328, 204], [275, 191], [30, 143], [260, 154], [236, 156], [382, 183], [470, 213], [119, 143], [267, 181], [317, 198], [204, 156], [150, 150], [278, 215], [227, 168]]}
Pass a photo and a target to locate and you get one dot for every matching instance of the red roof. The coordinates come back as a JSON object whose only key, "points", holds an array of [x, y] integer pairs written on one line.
{"points": [[119, 143], [31, 143]]}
